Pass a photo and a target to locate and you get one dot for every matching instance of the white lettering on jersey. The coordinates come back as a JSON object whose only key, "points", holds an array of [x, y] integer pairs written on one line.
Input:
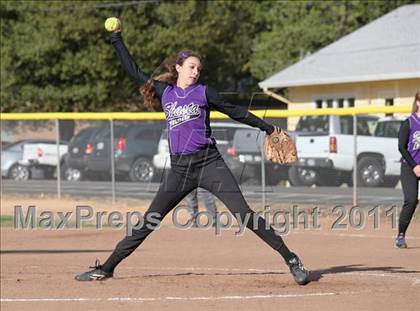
{"points": [[177, 115], [416, 140]]}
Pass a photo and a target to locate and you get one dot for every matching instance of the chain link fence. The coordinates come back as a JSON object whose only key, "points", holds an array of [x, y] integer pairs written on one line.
{"points": [[124, 155]]}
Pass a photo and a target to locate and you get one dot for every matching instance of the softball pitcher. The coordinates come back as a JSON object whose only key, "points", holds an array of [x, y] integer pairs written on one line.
{"points": [[409, 147], [195, 160]]}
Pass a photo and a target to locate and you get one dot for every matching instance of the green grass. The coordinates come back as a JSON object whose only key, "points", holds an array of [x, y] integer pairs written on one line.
{"points": [[9, 221], [6, 220]]}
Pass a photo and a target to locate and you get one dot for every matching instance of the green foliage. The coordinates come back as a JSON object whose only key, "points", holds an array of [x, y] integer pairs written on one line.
{"points": [[295, 29], [55, 55]]}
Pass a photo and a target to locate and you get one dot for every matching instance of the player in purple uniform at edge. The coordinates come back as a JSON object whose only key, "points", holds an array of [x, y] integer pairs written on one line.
{"points": [[409, 146], [195, 160]]}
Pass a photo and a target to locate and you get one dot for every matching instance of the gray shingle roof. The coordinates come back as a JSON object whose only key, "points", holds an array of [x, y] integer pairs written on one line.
{"points": [[387, 48]]}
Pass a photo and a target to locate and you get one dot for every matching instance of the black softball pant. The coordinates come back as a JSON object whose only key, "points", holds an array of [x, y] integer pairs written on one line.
{"points": [[409, 182], [205, 169]]}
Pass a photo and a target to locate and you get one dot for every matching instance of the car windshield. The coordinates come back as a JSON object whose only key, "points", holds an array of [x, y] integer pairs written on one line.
{"points": [[16, 146], [104, 134], [83, 136], [318, 124], [365, 125], [388, 128]]}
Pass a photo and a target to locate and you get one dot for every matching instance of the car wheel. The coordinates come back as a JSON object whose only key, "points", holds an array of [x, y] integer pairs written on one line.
{"points": [[19, 172], [370, 172], [300, 176], [142, 170]]}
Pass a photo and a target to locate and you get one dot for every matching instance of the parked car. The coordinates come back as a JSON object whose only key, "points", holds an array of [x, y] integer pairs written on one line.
{"points": [[20, 160], [239, 145], [325, 151], [135, 143], [11, 154], [387, 128], [80, 148], [43, 156]]}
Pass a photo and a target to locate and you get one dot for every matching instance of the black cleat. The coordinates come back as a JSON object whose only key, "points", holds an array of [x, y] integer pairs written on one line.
{"points": [[97, 274], [298, 271]]}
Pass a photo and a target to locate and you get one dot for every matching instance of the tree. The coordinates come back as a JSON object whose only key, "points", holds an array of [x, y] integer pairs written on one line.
{"points": [[56, 56], [52, 61], [295, 29]]}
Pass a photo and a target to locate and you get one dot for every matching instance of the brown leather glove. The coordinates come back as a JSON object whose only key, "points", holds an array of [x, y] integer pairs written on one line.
{"points": [[279, 147]]}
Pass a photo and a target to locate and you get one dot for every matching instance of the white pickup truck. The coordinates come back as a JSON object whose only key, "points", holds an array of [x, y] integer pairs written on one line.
{"points": [[325, 150], [41, 156]]}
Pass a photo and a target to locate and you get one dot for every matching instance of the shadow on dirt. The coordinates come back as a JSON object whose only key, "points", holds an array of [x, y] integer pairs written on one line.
{"points": [[316, 275]]}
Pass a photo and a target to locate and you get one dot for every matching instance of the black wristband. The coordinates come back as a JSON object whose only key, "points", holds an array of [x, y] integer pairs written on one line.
{"points": [[270, 129], [115, 36]]}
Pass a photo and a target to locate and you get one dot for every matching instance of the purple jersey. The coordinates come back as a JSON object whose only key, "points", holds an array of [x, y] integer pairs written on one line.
{"points": [[414, 138], [186, 111]]}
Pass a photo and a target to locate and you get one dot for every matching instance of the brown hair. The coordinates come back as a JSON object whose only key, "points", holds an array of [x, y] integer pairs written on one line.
{"points": [[416, 98], [170, 77]]}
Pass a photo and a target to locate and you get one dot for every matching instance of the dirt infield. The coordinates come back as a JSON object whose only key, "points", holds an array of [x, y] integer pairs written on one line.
{"points": [[197, 270]]}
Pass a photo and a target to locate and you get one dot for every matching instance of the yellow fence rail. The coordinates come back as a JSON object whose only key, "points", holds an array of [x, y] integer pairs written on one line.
{"points": [[272, 113]]}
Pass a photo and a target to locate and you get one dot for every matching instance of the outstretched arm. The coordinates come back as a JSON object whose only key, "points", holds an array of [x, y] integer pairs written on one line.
{"points": [[236, 112], [130, 65]]}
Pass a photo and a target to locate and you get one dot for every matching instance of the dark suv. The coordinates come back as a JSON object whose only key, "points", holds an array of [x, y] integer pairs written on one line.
{"points": [[79, 150], [135, 143]]}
